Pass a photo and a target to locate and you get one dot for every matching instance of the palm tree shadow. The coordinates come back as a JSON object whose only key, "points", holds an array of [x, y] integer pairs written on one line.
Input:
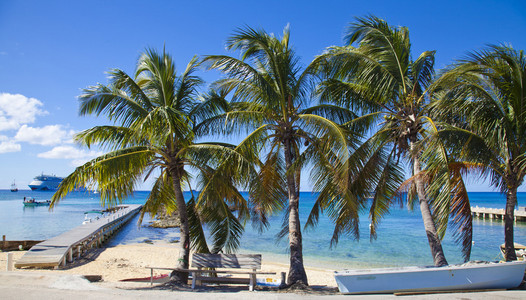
{"points": [[311, 290], [88, 257]]}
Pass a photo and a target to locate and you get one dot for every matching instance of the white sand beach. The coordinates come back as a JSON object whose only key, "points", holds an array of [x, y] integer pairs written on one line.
{"points": [[129, 261]]}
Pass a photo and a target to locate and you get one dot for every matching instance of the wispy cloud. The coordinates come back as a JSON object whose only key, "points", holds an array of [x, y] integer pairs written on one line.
{"points": [[17, 110], [78, 156], [8, 145], [48, 135]]}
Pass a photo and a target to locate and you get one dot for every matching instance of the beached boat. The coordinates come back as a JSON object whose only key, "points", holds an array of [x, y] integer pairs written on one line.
{"points": [[32, 202], [468, 276], [520, 250]]}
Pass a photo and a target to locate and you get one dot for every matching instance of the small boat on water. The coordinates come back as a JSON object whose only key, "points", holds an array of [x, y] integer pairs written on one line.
{"points": [[98, 213], [13, 187], [469, 276], [30, 201]]}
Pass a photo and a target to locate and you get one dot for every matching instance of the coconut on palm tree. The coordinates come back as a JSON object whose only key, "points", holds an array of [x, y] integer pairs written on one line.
{"points": [[380, 78], [484, 97], [270, 100], [155, 116]]}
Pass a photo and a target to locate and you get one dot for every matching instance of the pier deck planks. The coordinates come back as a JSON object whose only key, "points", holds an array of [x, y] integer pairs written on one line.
{"points": [[54, 252]]}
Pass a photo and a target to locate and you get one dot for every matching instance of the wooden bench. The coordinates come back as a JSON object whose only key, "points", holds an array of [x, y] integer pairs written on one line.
{"points": [[250, 262]]}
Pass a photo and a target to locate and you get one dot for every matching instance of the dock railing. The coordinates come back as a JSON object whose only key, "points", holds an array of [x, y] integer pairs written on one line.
{"points": [[58, 251]]}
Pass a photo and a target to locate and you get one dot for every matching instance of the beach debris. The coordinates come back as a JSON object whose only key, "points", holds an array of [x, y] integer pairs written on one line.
{"points": [[118, 262], [295, 287], [93, 278]]}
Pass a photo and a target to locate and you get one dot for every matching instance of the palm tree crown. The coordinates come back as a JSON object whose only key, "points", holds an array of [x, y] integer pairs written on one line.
{"points": [[484, 96], [270, 99], [380, 79], [156, 116]]}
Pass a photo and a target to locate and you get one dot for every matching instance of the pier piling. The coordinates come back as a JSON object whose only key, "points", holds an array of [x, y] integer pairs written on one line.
{"points": [[495, 213]]}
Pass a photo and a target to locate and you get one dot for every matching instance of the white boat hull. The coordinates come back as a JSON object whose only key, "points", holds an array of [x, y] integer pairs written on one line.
{"points": [[414, 279]]}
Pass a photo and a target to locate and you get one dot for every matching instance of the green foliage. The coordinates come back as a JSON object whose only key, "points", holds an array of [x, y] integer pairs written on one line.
{"points": [[271, 100], [482, 97], [379, 78], [157, 116]]}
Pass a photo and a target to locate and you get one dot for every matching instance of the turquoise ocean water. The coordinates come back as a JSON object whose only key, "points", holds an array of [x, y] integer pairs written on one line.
{"points": [[401, 237]]}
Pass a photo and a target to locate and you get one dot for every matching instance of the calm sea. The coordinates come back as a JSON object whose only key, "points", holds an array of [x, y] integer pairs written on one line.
{"points": [[401, 237]]}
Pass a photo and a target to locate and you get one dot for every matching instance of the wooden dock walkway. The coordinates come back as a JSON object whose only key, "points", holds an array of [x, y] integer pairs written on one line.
{"points": [[496, 213], [57, 251]]}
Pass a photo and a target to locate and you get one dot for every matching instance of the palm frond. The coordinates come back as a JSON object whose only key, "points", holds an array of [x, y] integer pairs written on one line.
{"points": [[116, 174]]}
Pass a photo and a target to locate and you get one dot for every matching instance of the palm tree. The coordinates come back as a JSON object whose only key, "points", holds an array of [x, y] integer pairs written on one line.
{"points": [[485, 98], [380, 79], [271, 101], [156, 115]]}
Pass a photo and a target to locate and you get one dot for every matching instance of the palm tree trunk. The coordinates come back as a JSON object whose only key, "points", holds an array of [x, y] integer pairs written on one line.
{"points": [[184, 239], [296, 270], [509, 218], [439, 259]]}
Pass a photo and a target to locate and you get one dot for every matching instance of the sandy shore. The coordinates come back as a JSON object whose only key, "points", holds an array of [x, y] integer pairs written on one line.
{"points": [[129, 261]]}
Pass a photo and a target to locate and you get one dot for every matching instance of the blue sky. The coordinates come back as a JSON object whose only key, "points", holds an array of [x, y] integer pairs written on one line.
{"points": [[50, 50]]}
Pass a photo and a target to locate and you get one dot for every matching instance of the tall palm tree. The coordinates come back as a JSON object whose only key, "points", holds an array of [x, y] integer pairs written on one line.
{"points": [[485, 97], [156, 114], [380, 79], [270, 99]]}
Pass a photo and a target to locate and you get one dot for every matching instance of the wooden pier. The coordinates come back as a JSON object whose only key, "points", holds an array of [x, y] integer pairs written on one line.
{"points": [[497, 214], [58, 251]]}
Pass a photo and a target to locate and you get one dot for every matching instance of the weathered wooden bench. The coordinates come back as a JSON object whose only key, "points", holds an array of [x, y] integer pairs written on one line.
{"points": [[250, 262]]}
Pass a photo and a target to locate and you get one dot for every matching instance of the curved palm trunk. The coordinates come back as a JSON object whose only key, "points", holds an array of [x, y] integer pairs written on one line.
{"points": [[439, 259], [509, 218], [296, 269], [184, 242]]}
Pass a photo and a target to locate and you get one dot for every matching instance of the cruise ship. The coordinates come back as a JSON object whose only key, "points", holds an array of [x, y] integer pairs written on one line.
{"points": [[45, 182]]}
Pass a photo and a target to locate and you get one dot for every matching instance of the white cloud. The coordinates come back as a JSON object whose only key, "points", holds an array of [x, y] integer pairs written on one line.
{"points": [[7, 145], [78, 156], [48, 135], [16, 110]]}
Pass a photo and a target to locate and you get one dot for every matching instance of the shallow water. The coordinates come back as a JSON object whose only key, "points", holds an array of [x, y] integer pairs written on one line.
{"points": [[401, 237]]}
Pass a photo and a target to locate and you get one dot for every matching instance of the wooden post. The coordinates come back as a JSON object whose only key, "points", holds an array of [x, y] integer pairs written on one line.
{"points": [[63, 263], [252, 282], [9, 265], [79, 251], [70, 254]]}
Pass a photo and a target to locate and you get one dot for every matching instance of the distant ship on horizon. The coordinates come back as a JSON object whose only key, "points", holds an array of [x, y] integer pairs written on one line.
{"points": [[13, 187], [45, 182]]}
